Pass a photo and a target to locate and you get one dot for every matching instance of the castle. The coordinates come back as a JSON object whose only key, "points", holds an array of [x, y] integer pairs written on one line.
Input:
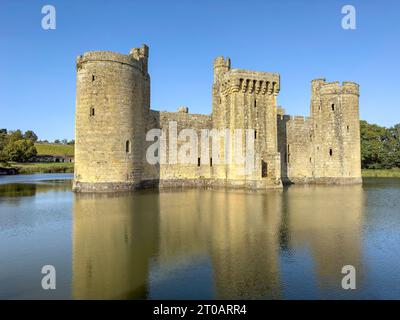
{"points": [[113, 116]]}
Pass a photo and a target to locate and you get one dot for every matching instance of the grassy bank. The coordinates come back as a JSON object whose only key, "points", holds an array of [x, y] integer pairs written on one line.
{"points": [[54, 149], [384, 173], [54, 167]]}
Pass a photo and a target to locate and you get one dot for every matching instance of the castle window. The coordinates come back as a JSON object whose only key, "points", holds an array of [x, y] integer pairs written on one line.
{"points": [[333, 107], [210, 162], [255, 134], [127, 146], [316, 126], [255, 103], [310, 159], [348, 128], [92, 112], [330, 152], [93, 77], [198, 162], [263, 169]]}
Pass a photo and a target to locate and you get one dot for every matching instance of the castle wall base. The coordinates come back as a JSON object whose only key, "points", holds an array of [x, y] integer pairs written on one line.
{"points": [[87, 187], [83, 187], [322, 180], [221, 183]]}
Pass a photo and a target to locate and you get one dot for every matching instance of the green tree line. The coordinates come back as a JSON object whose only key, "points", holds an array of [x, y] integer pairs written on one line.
{"points": [[17, 146], [380, 146]]}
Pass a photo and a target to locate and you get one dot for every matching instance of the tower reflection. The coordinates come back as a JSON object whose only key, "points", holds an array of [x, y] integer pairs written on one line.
{"points": [[114, 237], [237, 230], [327, 221], [120, 240]]}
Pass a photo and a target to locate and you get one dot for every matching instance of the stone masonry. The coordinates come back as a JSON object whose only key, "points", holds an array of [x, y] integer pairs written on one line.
{"points": [[113, 116]]}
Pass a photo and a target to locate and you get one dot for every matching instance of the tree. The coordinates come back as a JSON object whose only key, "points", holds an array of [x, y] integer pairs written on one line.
{"points": [[30, 135], [57, 141], [20, 151], [15, 135], [3, 143], [380, 146], [3, 138]]}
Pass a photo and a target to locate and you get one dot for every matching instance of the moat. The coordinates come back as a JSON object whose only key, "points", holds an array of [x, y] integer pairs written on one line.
{"points": [[197, 243]]}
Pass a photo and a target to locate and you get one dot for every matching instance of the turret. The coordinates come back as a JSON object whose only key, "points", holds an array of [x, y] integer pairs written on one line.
{"points": [[221, 66], [112, 98], [142, 55], [335, 129]]}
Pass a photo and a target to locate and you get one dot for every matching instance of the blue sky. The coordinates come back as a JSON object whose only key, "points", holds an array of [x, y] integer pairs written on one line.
{"points": [[301, 40]]}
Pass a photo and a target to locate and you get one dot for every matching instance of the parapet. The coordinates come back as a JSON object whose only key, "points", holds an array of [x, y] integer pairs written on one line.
{"points": [[183, 109], [140, 53], [137, 58], [346, 87], [350, 87], [221, 66], [280, 110], [245, 81], [222, 62], [297, 122]]}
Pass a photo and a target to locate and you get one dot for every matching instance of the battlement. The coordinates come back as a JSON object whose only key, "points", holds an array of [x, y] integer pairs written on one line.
{"points": [[336, 87], [245, 81], [137, 58], [298, 119], [221, 66], [140, 53], [183, 109], [280, 111], [294, 120], [221, 61], [349, 87]]}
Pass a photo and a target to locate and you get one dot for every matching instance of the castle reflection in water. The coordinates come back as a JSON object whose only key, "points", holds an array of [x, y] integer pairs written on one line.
{"points": [[119, 241]]}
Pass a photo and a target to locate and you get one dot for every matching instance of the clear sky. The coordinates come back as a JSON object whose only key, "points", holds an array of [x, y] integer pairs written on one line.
{"points": [[301, 40]]}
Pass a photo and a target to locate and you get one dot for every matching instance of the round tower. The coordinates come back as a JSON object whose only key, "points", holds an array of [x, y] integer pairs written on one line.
{"points": [[327, 130], [336, 132], [351, 130], [112, 98]]}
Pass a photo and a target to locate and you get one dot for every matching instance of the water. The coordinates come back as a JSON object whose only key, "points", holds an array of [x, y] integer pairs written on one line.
{"points": [[205, 244]]}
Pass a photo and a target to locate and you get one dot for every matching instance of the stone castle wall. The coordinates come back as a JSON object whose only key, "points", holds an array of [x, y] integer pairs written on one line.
{"points": [[170, 170], [113, 117], [295, 145]]}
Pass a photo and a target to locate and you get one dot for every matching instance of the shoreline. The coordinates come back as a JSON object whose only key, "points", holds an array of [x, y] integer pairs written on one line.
{"points": [[381, 173], [62, 167], [32, 168]]}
